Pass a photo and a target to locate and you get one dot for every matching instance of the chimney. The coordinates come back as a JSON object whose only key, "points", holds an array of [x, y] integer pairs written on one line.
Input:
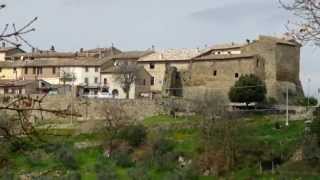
{"points": [[161, 56], [3, 44], [81, 50], [153, 48], [33, 50], [52, 49], [100, 53]]}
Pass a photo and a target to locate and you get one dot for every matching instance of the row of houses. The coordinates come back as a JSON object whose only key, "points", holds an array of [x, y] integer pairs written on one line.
{"points": [[274, 60]]}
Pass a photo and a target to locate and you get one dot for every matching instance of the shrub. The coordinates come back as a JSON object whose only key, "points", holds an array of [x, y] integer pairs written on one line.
{"points": [[74, 175], [35, 157], [134, 135], [139, 173], [105, 170], [66, 156], [122, 159], [162, 146], [305, 101], [166, 162], [182, 174]]}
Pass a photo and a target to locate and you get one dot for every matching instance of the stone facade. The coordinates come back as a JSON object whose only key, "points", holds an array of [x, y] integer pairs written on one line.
{"points": [[276, 61]]}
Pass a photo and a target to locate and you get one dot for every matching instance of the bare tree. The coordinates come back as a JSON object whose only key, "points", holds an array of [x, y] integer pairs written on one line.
{"points": [[23, 110], [127, 75], [307, 27], [14, 35], [115, 118]]}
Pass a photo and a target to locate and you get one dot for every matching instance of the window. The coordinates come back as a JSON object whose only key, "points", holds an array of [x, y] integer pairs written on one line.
{"points": [[86, 80], [105, 81], [219, 52], [96, 69], [96, 80], [215, 73], [144, 82], [152, 66], [54, 70], [14, 70], [236, 75], [87, 69], [0, 69], [26, 70], [105, 90], [152, 81], [34, 70], [257, 62]]}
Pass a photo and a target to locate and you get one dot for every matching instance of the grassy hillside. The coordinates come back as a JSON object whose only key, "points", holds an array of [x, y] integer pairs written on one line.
{"points": [[258, 140]]}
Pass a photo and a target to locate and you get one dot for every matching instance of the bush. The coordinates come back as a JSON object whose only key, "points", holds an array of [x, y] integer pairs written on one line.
{"points": [[134, 135], [305, 101], [166, 162], [122, 159], [162, 146], [139, 173], [66, 156], [182, 174], [73, 175], [105, 170], [35, 157]]}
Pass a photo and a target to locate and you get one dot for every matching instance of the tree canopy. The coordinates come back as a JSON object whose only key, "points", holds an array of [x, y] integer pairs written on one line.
{"points": [[248, 89]]}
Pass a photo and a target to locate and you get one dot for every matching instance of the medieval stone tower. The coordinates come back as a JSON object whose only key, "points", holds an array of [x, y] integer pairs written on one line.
{"points": [[274, 60]]}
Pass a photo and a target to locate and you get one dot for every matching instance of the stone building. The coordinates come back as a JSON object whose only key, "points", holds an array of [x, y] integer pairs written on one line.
{"points": [[158, 63], [23, 87], [110, 75], [276, 61]]}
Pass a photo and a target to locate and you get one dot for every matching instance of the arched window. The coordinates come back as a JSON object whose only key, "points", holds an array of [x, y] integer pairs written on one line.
{"points": [[115, 93]]}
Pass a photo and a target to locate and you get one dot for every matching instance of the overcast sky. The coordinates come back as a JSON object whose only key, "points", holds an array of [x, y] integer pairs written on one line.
{"points": [[139, 24]]}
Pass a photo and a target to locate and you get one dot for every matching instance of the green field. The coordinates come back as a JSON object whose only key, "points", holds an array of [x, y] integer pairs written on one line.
{"points": [[257, 134]]}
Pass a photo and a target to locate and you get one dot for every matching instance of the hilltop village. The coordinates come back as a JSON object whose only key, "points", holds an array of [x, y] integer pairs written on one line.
{"points": [[171, 72]]}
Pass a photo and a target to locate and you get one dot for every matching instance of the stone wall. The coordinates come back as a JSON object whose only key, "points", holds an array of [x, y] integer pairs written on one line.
{"points": [[92, 109]]}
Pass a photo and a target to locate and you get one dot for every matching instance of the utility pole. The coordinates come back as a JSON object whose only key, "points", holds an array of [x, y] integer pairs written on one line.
{"points": [[287, 104], [309, 80], [318, 96]]}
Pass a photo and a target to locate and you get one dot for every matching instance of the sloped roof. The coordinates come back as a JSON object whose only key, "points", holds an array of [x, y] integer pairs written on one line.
{"points": [[45, 54], [66, 62], [55, 62], [226, 46], [17, 82], [11, 64], [172, 55], [6, 49], [225, 57], [132, 54]]}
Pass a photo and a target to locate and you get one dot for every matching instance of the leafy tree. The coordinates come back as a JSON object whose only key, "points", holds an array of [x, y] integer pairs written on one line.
{"points": [[248, 89]]}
